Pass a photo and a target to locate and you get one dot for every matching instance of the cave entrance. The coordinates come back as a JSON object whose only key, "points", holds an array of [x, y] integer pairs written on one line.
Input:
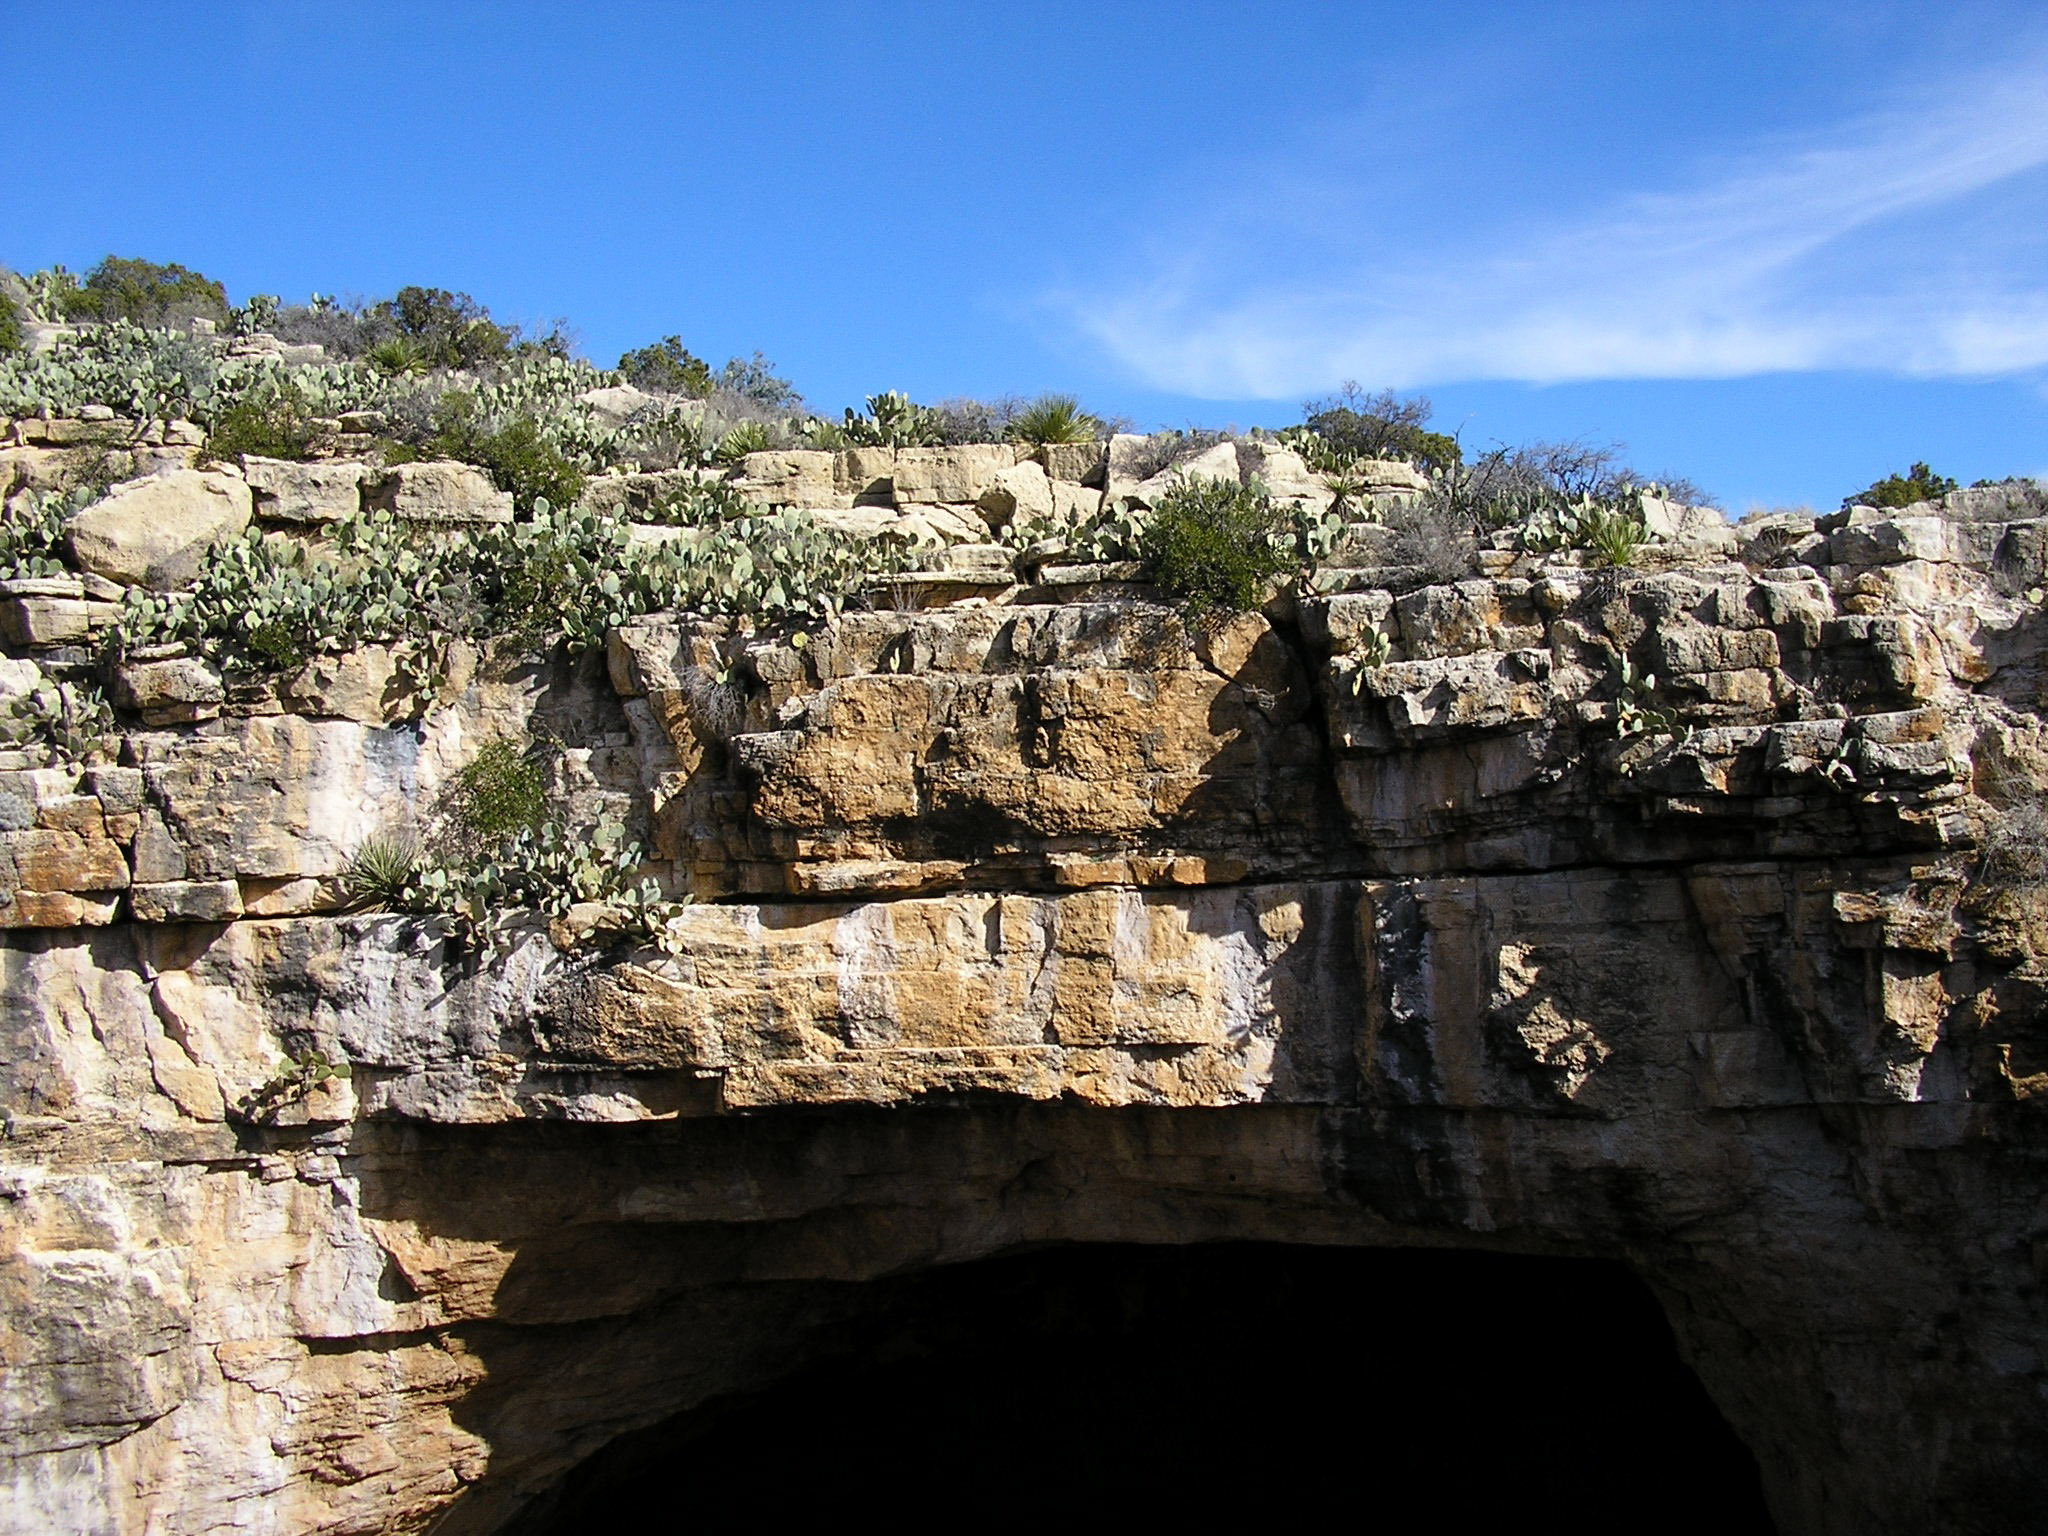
{"points": [[1256, 1381]]}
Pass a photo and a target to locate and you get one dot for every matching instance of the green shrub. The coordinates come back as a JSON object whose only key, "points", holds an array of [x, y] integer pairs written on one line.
{"points": [[1918, 484], [1216, 544], [515, 454], [670, 367], [274, 421], [144, 293], [521, 461], [501, 793], [1353, 426], [10, 325], [451, 329], [1054, 419]]}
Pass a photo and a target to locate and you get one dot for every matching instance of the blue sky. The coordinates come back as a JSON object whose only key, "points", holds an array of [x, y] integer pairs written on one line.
{"points": [[1781, 248]]}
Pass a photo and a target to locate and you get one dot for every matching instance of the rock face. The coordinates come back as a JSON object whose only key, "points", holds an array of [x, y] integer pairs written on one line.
{"points": [[154, 532], [440, 491], [1386, 918]]}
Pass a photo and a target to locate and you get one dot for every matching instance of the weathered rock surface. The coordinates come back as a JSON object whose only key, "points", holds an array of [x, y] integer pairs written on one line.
{"points": [[155, 532], [288, 492], [438, 491], [1386, 918]]}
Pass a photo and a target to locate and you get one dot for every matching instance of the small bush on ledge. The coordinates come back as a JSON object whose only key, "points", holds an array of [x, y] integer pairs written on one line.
{"points": [[1217, 544], [273, 421], [1918, 484]]}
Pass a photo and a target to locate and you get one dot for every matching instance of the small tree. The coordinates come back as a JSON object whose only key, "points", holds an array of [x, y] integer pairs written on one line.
{"points": [[1353, 425], [1918, 484], [670, 367], [145, 292], [451, 329]]}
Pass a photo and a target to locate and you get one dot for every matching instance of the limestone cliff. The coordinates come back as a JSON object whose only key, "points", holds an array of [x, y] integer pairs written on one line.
{"points": [[1026, 909]]}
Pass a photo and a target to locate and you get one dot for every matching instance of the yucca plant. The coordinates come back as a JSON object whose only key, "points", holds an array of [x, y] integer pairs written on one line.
{"points": [[1347, 486], [1614, 535], [1054, 419], [380, 876], [748, 437], [398, 356]]}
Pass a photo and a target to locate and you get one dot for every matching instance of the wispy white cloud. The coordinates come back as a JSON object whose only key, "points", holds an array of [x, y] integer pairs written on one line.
{"points": [[1849, 250]]}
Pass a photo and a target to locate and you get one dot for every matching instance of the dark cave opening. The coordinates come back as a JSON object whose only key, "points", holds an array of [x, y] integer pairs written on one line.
{"points": [[1253, 1381]]}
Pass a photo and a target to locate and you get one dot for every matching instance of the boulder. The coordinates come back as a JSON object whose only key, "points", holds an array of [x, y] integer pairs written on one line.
{"points": [[156, 532], [1073, 503], [934, 523], [865, 474], [369, 684], [2005, 501], [1081, 463], [440, 491], [53, 859], [1020, 494], [1285, 473], [617, 404], [957, 474], [629, 494], [171, 691], [304, 493], [1214, 463], [863, 522], [19, 677], [976, 559], [1391, 475], [789, 477], [186, 901]]}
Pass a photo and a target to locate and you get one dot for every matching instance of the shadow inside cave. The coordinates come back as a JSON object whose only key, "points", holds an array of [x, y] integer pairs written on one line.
{"points": [[1402, 1389]]}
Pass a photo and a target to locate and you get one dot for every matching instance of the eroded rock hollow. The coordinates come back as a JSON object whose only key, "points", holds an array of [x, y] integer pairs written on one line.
{"points": [[1030, 915]]}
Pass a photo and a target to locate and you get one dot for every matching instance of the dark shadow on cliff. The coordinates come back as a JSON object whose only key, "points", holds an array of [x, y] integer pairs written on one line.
{"points": [[1394, 1389]]}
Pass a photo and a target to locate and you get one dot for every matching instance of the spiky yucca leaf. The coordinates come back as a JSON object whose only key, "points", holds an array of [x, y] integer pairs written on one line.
{"points": [[379, 877], [1054, 419]]}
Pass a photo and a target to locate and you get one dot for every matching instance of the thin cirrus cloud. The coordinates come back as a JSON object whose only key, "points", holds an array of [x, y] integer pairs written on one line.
{"points": [[1909, 240]]}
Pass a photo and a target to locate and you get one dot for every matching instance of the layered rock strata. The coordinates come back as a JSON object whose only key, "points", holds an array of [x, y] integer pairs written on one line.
{"points": [[1042, 914]]}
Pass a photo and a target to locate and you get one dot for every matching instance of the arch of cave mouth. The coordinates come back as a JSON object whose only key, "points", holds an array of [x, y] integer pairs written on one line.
{"points": [[1207, 1382]]}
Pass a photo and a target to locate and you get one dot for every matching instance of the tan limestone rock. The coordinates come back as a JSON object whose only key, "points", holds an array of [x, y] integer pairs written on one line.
{"points": [[438, 492], [287, 492], [155, 532], [958, 475], [1020, 494], [791, 477]]}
